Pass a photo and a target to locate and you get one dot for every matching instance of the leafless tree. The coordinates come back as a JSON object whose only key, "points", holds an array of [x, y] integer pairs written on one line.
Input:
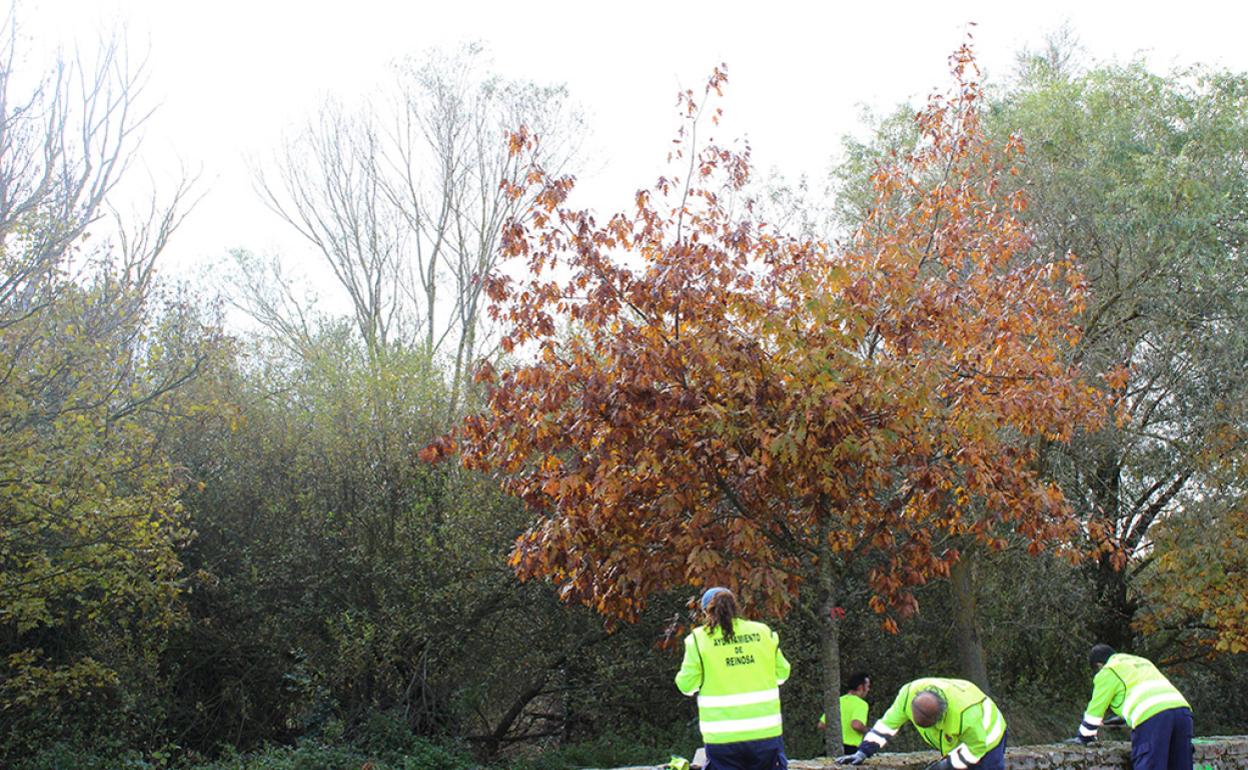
{"points": [[401, 197], [330, 188], [63, 146], [66, 139]]}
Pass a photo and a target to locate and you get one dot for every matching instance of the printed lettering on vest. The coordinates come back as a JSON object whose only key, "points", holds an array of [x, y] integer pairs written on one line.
{"points": [[739, 660]]}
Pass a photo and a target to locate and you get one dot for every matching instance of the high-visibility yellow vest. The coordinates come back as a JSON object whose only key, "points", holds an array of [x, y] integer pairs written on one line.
{"points": [[852, 707], [1133, 687], [737, 681], [971, 726]]}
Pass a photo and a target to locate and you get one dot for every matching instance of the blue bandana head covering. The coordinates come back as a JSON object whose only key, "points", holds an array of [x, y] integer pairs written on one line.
{"points": [[711, 593]]}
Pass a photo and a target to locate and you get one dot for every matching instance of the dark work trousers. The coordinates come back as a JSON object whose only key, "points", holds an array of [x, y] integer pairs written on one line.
{"points": [[763, 754], [1163, 741], [995, 759]]}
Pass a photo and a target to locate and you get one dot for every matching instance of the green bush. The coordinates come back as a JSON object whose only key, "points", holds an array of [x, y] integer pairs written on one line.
{"points": [[610, 750], [384, 744], [66, 756]]}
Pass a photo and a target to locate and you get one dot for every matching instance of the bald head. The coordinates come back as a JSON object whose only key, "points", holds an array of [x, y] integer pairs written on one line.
{"points": [[927, 708]]}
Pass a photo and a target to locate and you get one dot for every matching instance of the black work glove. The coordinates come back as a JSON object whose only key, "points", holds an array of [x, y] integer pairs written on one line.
{"points": [[944, 763], [857, 758], [1114, 721], [1080, 740]]}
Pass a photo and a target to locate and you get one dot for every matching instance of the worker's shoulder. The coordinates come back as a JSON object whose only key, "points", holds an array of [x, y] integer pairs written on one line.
{"points": [[1122, 662], [1108, 676], [1126, 659], [744, 626], [934, 682], [963, 690]]}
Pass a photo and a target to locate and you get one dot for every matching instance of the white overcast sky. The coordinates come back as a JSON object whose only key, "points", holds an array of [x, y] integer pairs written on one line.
{"points": [[230, 76]]}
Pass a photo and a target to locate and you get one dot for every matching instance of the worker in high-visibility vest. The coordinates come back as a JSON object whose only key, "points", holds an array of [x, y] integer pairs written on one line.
{"points": [[854, 710], [952, 715], [735, 667], [1157, 713]]}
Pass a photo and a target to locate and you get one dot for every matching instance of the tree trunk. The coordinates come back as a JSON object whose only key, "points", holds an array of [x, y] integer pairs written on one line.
{"points": [[829, 648], [965, 625], [1115, 611]]}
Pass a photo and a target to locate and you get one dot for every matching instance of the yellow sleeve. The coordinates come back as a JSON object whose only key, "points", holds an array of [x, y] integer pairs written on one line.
{"points": [[689, 678], [783, 669]]}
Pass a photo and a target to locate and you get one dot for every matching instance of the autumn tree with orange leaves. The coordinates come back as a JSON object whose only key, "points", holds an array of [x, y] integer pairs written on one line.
{"points": [[706, 400]]}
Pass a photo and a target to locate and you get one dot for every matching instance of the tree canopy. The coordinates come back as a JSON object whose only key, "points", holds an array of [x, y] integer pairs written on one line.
{"points": [[711, 401]]}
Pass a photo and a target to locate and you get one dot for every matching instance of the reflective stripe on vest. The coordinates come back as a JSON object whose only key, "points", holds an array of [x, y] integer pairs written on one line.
{"points": [[730, 730], [994, 725], [1144, 699], [739, 699], [1148, 692]]}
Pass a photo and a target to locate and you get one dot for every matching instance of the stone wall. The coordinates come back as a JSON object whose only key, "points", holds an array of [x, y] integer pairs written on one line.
{"points": [[1219, 753], [1215, 753]]}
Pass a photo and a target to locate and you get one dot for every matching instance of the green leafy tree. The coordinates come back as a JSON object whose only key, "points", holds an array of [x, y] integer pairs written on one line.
{"points": [[93, 356], [335, 576], [1142, 176]]}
